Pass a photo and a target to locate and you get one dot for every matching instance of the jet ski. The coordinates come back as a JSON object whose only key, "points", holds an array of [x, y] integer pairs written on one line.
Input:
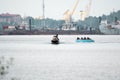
{"points": [[55, 41]]}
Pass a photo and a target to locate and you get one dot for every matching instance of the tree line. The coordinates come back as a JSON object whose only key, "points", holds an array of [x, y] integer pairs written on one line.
{"points": [[91, 23], [94, 22]]}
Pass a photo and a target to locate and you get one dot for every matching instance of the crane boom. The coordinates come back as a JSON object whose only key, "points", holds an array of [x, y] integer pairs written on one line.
{"points": [[66, 12], [68, 17], [88, 8], [74, 8]]}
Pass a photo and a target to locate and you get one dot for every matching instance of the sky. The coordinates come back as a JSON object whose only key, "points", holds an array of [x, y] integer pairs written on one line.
{"points": [[56, 8]]}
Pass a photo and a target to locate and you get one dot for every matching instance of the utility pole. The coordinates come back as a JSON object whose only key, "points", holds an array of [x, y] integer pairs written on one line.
{"points": [[30, 24]]}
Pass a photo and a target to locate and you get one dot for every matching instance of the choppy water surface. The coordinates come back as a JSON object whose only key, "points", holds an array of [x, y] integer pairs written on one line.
{"points": [[36, 59]]}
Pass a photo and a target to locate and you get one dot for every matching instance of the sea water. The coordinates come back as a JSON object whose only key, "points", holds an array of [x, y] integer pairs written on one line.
{"points": [[35, 58]]}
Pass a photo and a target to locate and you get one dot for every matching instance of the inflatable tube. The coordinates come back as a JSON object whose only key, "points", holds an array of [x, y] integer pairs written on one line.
{"points": [[84, 40]]}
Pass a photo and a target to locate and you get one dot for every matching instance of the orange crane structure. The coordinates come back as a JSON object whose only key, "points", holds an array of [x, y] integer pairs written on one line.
{"points": [[84, 14], [68, 16], [88, 8]]}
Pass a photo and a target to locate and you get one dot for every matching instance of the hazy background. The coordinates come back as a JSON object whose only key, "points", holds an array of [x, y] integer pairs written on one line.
{"points": [[55, 8]]}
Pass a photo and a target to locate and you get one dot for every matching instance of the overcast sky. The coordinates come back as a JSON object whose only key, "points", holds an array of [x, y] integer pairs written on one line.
{"points": [[55, 8]]}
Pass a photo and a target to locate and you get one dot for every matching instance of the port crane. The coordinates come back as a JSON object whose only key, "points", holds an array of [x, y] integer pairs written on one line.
{"points": [[68, 16], [84, 14]]}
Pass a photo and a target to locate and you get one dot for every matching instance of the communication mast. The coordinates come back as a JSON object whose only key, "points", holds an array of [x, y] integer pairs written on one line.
{"points": [[43, 6]]}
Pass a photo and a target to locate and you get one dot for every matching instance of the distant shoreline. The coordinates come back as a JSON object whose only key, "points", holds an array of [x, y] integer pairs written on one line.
{"points": [[47, 32], [22, 32]]}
